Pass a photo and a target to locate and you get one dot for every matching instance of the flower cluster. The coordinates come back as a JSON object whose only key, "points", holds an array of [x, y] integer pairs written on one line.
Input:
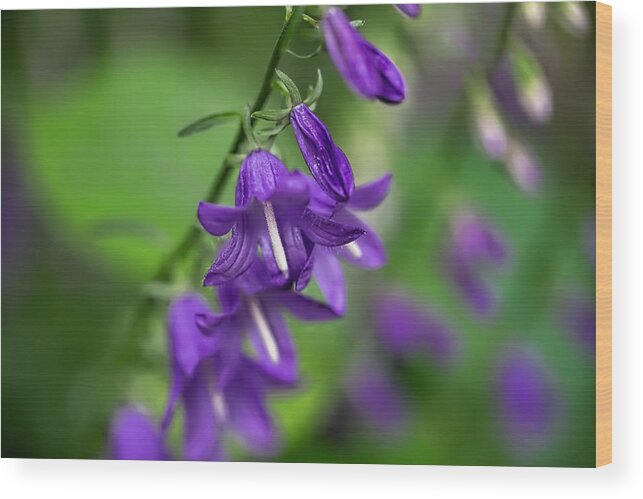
{"points": [[285, 229]]}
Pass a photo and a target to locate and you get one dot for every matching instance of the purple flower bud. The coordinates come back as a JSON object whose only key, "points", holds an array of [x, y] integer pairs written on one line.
{"points": [[409, 9], [364, 68], [526, 399], [523, 168], [327, 163]]}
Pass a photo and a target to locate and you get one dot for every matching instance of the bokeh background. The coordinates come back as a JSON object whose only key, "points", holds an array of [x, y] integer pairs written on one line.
{"points": [[96, 189]]}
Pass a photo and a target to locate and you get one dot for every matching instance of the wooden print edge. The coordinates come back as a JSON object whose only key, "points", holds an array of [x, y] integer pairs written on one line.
{"points": [[603, 234]]}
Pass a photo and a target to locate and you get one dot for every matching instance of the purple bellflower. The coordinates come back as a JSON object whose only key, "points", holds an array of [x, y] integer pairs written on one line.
{"points": [[216, 395], [364, 67], [270, 213], [474, 243], [367, 252], [409, 9], [578, 318], [526, 399], [327, 163], [252, 308], [134, 436], [406, 329], [377, 400]]}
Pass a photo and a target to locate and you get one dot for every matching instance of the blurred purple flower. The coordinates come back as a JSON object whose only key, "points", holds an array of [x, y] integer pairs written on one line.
{"points": [[578, 317], [364, 68], [134, 436], [409, 9], [270, 212], [377, 400], [535, 13], [474, 243], [406, 329], [219, 386], [575, 18], [526, 399], [489, 126], [327, 163], [367, 252], [523, 167]]}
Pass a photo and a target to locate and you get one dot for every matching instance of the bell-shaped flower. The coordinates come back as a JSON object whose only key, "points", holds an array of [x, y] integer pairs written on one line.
{"points": [[270, 214], [473, 244], [219, 386], [409, 9], [406, 329], [364, 68], [135, 436], [528, 404], [367, 252], [326, 161], [252, 308]]}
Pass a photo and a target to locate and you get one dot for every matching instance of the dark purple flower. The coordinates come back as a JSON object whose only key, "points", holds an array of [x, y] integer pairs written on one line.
{"points": [[134, 436], [406, 329], [364, 68], [409, 9], [367, 252], [526, 399], [270, 213], [578, 318], [377, 400], [474, 244], [327, 163], [252, 308]]}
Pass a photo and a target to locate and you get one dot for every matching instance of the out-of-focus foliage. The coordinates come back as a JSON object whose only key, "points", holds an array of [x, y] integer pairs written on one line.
{"points": [[96, 188]]}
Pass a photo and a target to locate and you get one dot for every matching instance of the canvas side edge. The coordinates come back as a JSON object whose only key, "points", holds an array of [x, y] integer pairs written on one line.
{"points": [[603, 234]]}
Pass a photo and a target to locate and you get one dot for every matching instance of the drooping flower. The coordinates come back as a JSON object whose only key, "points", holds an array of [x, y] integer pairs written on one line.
{"points": [[473, 243], [575, 18], [252, 308], [367, 252], [270, 213], [326, 161], [409, 9], [134, 436], [220, 387], [376, 399], [365, 68], [535, 13], [527, 401], [489, 126], [406, 329]]}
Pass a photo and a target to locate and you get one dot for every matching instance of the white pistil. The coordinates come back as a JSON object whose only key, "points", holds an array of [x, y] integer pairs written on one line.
{"points": [[220, 408], [264, 329], [278, 250], [354, 249]]}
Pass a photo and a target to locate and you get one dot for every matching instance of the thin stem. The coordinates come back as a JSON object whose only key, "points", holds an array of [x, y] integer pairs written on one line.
{"points": [[191, 237]]}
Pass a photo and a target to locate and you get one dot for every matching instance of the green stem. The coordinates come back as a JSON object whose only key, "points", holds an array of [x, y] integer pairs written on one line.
{"points": [[191, 237]]}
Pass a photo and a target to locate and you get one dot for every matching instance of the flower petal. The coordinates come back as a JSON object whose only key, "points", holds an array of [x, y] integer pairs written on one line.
{"points": [[134, 435], [217, 219], [330, 278], [370, 195], [368, 251], [301, 306], [258, 177], [327, 232], [236, 256], [200, 439]]}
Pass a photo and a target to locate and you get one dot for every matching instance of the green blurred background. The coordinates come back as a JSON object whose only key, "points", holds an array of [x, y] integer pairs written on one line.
{"points": [[96, 189]]}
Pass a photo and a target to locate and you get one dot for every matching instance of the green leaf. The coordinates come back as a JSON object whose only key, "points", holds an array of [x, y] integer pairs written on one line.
{"points": [[290, 86], [314, 93], [271, 114], [207, 122], [305, 56]]}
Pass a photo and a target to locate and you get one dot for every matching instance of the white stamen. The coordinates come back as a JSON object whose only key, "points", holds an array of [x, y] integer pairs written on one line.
{"points": [[264, 329], [220, 407], [278, 250], [354, 249]]}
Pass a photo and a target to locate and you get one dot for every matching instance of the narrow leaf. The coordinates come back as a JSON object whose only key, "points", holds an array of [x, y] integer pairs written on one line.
{"points": [[207, 122], [271, 114]]}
